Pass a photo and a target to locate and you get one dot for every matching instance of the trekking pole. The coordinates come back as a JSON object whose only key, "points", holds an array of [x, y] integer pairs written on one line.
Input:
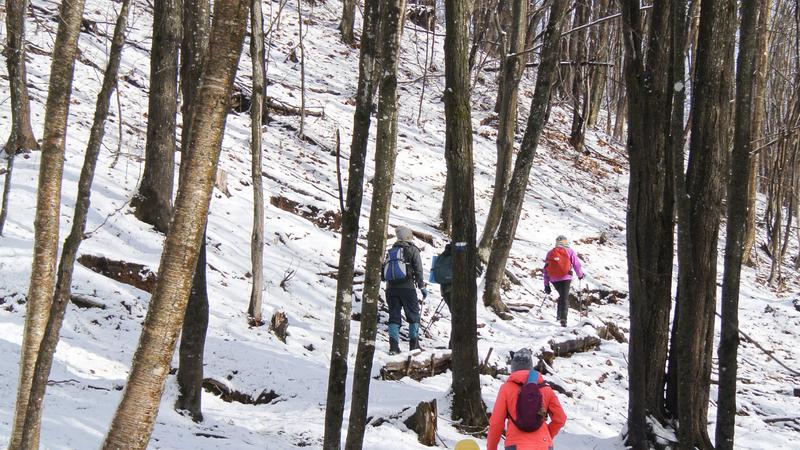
{"points": [[433, 317]]}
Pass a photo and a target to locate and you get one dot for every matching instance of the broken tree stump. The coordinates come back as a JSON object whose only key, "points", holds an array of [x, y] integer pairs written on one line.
{"points": [[417, 367], [611, 331], [133, 274], [423, 422], [278, 325]]}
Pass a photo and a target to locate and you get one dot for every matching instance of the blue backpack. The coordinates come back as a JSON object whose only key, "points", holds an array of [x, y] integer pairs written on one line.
{"points": [[395, 268], [530, 405]]}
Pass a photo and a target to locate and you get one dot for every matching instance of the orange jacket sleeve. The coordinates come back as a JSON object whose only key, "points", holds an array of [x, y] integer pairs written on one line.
{"points": [[557, 415], [497, 423]]}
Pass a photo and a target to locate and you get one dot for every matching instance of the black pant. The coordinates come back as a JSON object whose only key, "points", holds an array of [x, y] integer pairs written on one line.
{"points": [[400, 299], [562, 287]]}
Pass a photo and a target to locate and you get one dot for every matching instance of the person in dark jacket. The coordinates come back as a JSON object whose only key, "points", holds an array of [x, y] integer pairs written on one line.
{"points": [[401, 295]]}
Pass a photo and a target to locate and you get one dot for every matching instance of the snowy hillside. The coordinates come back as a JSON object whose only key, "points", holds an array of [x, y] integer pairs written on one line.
{"points": [[582, 196]]}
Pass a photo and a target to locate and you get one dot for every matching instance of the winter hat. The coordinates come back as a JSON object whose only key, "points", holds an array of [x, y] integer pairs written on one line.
{"points": [[404, 234], [521, 360], [562, 240]]}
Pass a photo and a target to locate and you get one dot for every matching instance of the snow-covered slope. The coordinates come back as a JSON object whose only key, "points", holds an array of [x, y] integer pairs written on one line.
{"points": [[582, 196]]}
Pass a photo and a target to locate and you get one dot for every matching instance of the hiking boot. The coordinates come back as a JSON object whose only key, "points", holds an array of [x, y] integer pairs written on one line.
{"points": [[413, 344], [563, 323], [394, 347]]}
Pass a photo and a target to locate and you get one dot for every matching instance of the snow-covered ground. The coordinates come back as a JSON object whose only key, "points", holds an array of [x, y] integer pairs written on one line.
{"points": [[569, 193]]}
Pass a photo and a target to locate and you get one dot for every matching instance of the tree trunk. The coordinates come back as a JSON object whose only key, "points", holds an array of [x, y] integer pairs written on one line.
{"points": [[579, 94], [699, 214], [196, 24], [340, 347], [348, 19], [385, 156], [759, 110], [467, 406], [153, 202], [735, 231], [599, 52], [513, 67], [21, 137], [545, 79], [136, 414], [48, 207], [6, 192], [62, 293], [446, 213], [256, 109], [653, 69]]}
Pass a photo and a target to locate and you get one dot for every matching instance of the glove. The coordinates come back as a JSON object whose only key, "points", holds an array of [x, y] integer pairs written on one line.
{"points": [[547, 289], [424, 293], [581, 277]]}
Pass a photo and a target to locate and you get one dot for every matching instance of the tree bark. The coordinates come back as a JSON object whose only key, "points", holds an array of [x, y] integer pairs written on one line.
{"points": [[735, 231], [759, 111], [256, 109], [136, 414], [385, 156], [467, 404], [48, 207], [6, 192], [699, 214], [599, 52], [340, 346], [654, 87], [545, 79], [153, 201], [21, 137], [348, 19], [580, 97], [513, 66], [62, 292], [196, 24]]}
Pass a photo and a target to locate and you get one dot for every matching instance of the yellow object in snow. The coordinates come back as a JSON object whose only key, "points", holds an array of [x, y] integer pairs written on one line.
{"points": [[467, 444]]}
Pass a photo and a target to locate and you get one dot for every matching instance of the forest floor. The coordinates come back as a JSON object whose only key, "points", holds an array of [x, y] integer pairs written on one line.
{"points": [[579, 194]]}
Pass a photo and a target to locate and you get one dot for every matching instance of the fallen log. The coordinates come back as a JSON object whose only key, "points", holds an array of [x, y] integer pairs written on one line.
{"points": [[423, 422], [581, 344], [84, 301], [133, 274], [611, 331], [229, 395], [331, 220], [417, 366]]}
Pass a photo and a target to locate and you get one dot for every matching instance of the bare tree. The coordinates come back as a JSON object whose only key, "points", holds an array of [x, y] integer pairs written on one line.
{"points": [[737, 216], [348, 19], [48, 207], [153, 201], [196, 23], [467, 404], [21, 137], [351, 214], [654, 87], [699, 215], [512, 209], [62, 292], [6, 192], [599, 51], [133, 422], [513, 66], [385, 156], [579, 71]]}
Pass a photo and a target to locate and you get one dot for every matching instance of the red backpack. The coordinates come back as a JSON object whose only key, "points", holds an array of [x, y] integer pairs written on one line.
{"points": [[558, 263], [530, 405]]}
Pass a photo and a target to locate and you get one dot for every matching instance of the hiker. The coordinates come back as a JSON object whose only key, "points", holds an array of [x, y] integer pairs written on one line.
{"points": [[402, 271], [443, 273], [526, 402], [558, 267]]}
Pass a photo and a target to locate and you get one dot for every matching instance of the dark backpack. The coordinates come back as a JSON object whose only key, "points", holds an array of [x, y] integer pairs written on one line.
{"points": [[530, 405], [395, 267], [443, 268], [558, 263]]}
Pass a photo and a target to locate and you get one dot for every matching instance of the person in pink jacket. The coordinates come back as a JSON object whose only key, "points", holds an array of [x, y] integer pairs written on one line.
{"points": [[505, 410], [559, 265]]}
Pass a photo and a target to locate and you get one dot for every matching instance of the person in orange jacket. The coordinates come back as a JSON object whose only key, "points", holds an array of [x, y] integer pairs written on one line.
{"points": [[505, 407]]}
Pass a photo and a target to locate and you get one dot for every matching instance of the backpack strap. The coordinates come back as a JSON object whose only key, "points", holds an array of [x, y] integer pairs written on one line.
{"points": [[533, 377]]}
